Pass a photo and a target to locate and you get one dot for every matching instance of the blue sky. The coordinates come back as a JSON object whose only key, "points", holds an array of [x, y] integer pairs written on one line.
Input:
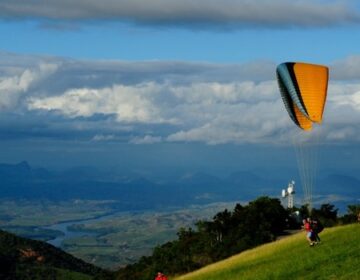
{"points": [[120, 41], [318, 30], [84, 83]]}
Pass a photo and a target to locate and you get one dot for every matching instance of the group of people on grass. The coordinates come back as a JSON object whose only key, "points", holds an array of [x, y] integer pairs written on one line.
{"points": [[312, 227]]}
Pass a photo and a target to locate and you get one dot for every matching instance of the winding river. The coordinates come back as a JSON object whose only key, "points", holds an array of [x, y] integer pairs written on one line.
{"points": [[64, 228]]}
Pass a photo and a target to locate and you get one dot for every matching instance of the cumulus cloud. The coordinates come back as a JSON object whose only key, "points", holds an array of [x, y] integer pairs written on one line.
{"points": [[238, 123], [342, 134], [346, 69], [221, 110], [128, 104], [13, 86], [214, 113], [153, 102], [186, 13]]}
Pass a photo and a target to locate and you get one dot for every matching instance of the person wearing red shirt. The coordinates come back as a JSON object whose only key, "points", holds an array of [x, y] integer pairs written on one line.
{"points": [[309, 231], [160, 276]]}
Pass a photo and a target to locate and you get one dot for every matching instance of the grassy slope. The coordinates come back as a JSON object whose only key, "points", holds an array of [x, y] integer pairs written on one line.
{"points": [[337, 257]]}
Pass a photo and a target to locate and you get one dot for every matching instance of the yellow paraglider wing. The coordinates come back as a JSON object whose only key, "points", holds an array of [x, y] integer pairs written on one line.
{"points": [[302, 121], [312, 81], [303, 88]]}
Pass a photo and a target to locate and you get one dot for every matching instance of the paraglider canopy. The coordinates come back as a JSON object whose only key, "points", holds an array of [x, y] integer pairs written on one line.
{"points": [[303, 88]]}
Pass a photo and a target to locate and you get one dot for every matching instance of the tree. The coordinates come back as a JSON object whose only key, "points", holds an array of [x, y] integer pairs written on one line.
{"points": [[352, 215], [327, 214]]}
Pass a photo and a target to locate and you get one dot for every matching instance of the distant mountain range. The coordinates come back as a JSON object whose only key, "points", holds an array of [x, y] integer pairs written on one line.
{"points": [[21, 181]]}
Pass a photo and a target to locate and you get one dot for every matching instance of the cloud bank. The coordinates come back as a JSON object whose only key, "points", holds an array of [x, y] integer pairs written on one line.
{"points": [[154, 102], [188, 13]]}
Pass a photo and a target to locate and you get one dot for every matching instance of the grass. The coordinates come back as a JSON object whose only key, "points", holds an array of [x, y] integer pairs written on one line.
{"points": [[337, 257]]}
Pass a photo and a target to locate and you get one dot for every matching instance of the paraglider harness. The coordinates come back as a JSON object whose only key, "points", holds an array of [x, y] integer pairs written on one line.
{"points": [[317, 226]]}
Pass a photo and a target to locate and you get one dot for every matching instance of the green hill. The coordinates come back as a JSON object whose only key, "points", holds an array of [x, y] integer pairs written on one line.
{"points": [[337, 257], [22, 258]]}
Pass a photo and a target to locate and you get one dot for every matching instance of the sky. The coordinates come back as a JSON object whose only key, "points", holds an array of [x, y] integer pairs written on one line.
{"points": [[163, 85]]}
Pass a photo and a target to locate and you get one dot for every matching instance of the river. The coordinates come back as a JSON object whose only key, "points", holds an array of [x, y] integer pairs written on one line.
{"points": [[63, 227]]}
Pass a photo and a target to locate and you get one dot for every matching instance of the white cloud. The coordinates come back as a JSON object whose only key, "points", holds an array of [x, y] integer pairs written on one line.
{"points": [[161, 103], [186, 13], [169, 101], [352, 100], [341, 134], [214, 113], [147, 139], [14, 86], [238, 123], [346, 69], [228, 93], [128, 104]]}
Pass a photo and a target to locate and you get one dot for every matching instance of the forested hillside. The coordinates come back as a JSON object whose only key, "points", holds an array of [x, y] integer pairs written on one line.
{"points": [[22, 258]]}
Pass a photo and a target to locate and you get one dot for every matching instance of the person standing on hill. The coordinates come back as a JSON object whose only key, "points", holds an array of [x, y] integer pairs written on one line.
{"points": [[308, 229], [161, 276], [317, 227]]}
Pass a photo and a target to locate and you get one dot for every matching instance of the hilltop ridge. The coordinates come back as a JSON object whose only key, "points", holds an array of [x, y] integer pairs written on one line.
{"points": [[337, 257]]}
